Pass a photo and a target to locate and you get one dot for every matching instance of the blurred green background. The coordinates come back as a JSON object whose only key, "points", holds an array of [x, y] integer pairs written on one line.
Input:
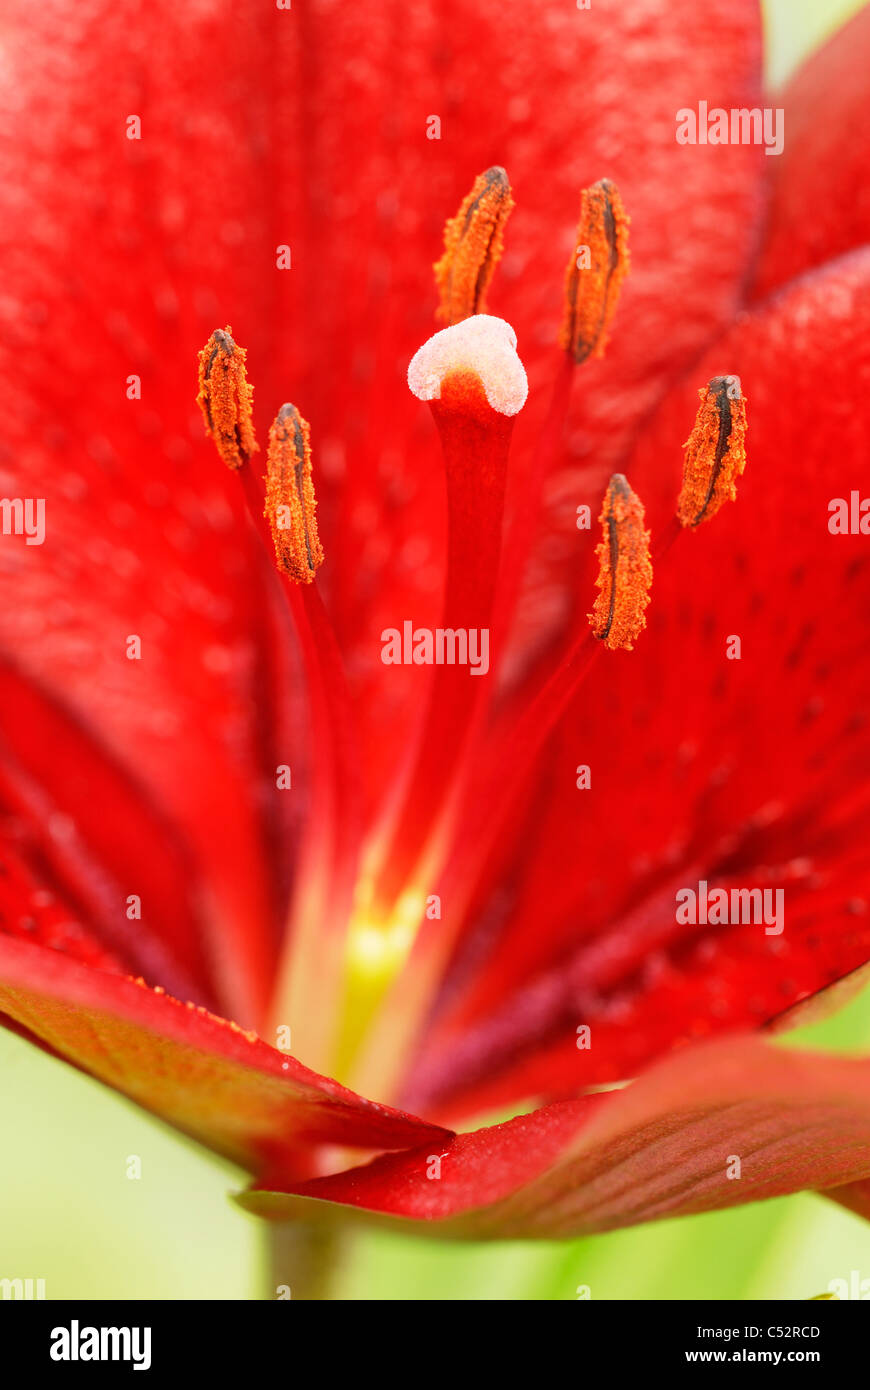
{"points": [[69, 1213]]}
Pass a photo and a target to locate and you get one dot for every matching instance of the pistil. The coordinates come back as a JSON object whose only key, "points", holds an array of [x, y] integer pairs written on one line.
{"points": [[475, 383]]}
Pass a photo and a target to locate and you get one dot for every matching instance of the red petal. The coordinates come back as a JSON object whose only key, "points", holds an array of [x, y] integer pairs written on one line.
{"points": [[97, 838], [225, 1087], [752, 772], [117, 255], [122, 255], [31, 911], [663, 1147], [855, 1196], [820, 195]]}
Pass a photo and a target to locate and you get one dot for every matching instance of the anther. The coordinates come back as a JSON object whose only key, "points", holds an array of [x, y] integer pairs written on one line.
{"points": [[473, 242], [715, 451], [598, 266], [226, 398], [290, 504], [625, 572]]}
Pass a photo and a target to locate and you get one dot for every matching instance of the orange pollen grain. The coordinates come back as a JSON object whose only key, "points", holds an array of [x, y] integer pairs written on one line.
{"points": [[473, 243], [226, 398], [290, 504], [596, 270], [715, 451], [625, 569]]}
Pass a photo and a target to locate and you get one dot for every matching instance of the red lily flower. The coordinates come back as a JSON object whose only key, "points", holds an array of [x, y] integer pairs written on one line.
{"points": [[192, 750]]}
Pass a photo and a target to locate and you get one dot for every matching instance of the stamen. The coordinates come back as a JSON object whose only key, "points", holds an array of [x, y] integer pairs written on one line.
{"points": [[309, 979], [290, 505], [715, 451], [626, 573], [595, 272], [473, 242], [226, 398], [504, 776]]}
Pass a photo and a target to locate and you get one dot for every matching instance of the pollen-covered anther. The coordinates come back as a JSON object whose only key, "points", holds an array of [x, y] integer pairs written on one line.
{"points": [[473, 242], [290, 503], [596, 270], [715, 451], [226, 398], [625, 569]]}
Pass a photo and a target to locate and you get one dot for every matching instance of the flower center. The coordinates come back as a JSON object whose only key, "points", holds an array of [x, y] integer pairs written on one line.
{"points": [[366, 942]]}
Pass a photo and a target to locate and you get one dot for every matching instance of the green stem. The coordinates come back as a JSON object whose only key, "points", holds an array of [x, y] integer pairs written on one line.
{"points": [[303, 1259]]}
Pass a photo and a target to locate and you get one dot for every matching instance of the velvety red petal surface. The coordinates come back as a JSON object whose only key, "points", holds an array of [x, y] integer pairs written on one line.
{"points": [[820, 196], [749, 772], [662, 1147], [86, 828], [115, 256], [222, 1086]]}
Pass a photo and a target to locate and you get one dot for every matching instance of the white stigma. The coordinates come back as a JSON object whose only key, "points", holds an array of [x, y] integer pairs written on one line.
{"points": [[485, 345]]}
